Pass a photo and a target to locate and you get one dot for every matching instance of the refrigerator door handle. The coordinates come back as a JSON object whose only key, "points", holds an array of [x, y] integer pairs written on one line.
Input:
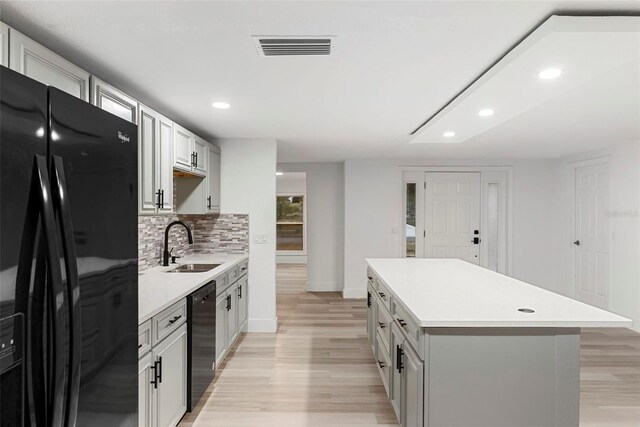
{"points": [[61, 205], [40, 205]]}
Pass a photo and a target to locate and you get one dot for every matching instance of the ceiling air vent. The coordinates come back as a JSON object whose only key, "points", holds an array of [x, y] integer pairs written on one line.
{"points": [[293, 46]]}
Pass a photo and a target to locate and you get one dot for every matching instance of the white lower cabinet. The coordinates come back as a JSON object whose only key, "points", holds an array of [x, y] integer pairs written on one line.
{"points": [[170, 396], [145, 376], [400, 366], [231, 312], [411, 387], [162, 375]]}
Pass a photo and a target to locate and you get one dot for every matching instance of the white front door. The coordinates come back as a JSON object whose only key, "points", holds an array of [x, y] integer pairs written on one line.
{"points": [[452, 216], [591, 244]]}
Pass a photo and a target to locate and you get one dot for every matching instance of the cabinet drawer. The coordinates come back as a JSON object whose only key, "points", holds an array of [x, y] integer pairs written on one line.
{"points": [[144, 338], [383, 325], [169, 320], [232, 275], [221, 283], [243, 268], [383, 363], [384, 295], [371, 280], [406, 324]]}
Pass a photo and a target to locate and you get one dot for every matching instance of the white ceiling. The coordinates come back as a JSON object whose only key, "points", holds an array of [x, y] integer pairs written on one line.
{"points": [[394, 64]]}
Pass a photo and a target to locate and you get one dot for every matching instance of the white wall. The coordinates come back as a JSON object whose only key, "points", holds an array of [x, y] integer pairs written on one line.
{"points": [[624, 199], [325, 220], [373, 201], [249, 186], [291, 183]]}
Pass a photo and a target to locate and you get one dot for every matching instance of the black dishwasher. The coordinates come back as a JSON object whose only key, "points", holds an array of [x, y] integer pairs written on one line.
{"points": [[201, 338]]}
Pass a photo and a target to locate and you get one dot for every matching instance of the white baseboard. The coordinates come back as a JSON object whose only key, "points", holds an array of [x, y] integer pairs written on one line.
{"points": [[350, 293], [324, 287], [263, 325]]}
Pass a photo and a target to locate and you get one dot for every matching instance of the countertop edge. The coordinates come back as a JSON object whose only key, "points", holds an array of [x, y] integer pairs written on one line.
{"points": [[201, 282], [501, 324]]}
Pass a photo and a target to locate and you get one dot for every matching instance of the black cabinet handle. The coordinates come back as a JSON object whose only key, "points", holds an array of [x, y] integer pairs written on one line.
{"points": [[204, 298], [368, 299], [243, 269], [172, 321], [382, 294], [161, 199], [139, 345], [399, 356], [382, 325], [381, 364], [160, 369], [402, 322], [476, 241], [209, 202], [158, 198], [228, 302], [154, 381], [240, 291], [577, 243]]}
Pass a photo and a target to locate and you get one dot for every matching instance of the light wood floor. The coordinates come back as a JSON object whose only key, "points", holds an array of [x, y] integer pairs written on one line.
{"points": [[318, 370]]}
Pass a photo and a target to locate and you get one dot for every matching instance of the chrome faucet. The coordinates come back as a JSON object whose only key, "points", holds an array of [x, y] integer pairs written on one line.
{"points": [[165, 257]]}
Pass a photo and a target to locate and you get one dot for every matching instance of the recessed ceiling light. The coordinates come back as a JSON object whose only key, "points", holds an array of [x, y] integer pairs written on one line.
{"points": [[486, 112], [449, 134], [550, 73], [279, 173], [220, 105]]}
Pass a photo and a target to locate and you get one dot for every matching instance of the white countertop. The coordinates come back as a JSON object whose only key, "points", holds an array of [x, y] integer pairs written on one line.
{"points": [[455, 293], [158, 290]]}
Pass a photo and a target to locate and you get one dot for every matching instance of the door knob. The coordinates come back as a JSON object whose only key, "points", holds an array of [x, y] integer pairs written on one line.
{"points": [[577, 243]]}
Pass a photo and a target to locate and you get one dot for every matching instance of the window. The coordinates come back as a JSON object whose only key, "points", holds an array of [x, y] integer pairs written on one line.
{"points": [[290, 215], [410, 221]]}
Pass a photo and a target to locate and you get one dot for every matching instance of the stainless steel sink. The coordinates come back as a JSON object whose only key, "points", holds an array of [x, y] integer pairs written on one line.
{"points": [[193, 268]]}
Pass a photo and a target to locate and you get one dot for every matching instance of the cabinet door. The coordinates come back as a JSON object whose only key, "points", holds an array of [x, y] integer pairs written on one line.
{"points": [[113, 100], [171, 394], [221, 326], [4, 44], [147, 160], [213, 179], [232, 314], [242, 302], [164, 166], [145, 376], [200, 151], [183, 148], [371, 317], [412, 388], [34, 60], [395, 388]]}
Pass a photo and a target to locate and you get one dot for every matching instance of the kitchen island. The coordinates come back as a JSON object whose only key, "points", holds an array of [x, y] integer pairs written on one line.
{"points": [[459, 345]]}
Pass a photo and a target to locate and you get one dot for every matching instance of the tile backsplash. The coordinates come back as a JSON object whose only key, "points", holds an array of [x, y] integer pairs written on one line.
{"points": [[228, 233]]}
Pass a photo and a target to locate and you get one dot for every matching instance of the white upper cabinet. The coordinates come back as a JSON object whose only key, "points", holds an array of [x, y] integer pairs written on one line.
{"points": [[213, 179], [200, 152], [4, 44], [164, 149], [183, 148], [34, 60], [155, 162], [113, 100]]}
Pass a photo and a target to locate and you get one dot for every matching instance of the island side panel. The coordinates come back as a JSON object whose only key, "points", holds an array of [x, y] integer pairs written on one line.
{"points": [[511, 377]]}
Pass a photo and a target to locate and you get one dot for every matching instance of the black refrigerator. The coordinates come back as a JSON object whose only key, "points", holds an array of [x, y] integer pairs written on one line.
{"points": [[68, 260]]}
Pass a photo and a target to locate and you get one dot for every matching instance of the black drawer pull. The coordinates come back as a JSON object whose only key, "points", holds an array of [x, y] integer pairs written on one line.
{"points": [[381, 364], [382, 294], [139, 345], [154, 381], [402, 322], [399, 358], [382, 325], [172, 321]]}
